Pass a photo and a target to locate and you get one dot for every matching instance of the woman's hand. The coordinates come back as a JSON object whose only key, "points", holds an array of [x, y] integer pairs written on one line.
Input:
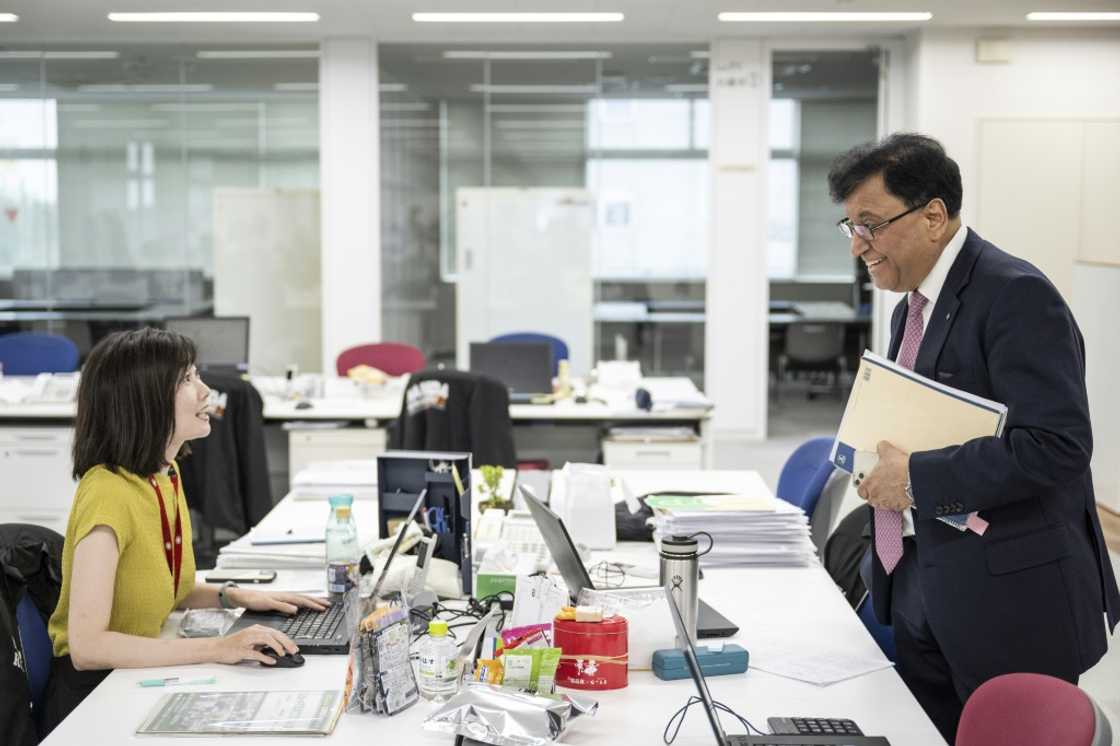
{"points": [[247, 645], [287, 603]]}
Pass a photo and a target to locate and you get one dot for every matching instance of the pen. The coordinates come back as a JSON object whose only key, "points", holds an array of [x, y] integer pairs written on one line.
{"points": [[175, 681]]}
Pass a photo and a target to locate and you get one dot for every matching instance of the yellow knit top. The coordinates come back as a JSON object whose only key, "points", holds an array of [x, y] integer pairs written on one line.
{"points": [[143, 594]]}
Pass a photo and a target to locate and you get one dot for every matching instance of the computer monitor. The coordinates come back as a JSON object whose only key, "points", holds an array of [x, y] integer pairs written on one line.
{"points": [[525, 367], [222, 341]]}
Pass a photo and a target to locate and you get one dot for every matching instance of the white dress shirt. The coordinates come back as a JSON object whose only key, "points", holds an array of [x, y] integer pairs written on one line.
{"points": [[930, 287]]}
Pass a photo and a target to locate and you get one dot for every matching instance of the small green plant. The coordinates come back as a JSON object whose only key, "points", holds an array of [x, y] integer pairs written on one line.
{"points": [[492, 480]]}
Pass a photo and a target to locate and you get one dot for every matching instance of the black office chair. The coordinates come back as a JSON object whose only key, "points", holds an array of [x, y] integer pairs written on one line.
{"points": [[815, 348], [453, 410]]}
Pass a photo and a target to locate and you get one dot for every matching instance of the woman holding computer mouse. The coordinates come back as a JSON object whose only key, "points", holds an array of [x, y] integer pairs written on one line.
{"points": [[127, 561]]}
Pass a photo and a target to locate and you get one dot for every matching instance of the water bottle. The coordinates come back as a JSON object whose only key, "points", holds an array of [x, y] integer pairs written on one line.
{"points": [[439, 664], [680, 572], [343, 553]]}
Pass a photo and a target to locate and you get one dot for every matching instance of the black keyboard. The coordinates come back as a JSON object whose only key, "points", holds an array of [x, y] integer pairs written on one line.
{"points": [[807, 740], [814, 726], [309, 624]]}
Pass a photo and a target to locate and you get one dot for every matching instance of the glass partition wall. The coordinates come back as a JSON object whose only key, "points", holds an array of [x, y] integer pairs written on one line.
{"points": [[117, 165], [624, 125]]}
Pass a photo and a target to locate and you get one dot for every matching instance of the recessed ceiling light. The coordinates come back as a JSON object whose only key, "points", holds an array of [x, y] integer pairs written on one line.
{"points": [[583, 90], [257, 54], [517, 17], [1074, 16], [825, 16], [8, 18], [214, 17], [469, 55]]}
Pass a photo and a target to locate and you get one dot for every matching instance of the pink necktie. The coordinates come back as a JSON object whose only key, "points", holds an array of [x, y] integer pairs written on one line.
{"points": [[888, 523]]}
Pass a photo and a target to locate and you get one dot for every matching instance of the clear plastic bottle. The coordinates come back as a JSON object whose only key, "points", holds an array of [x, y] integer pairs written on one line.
{"points": [[438, 678], [343, 553]]}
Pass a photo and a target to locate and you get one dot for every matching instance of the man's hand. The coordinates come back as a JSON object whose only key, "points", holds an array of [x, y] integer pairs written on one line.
{"points": [[885, 486]]}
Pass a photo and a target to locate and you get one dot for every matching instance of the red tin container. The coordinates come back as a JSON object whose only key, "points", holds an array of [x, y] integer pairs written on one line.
{"points": [[595, 654]]}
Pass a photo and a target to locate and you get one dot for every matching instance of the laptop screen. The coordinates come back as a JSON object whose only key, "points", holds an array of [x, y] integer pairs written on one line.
{"points": [[525, 367], [694, 668], [560, 544], [222, 342]]}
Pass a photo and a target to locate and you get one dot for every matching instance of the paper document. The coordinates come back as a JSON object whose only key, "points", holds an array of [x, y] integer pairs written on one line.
{"points": [[197, 713], [889, 402], [815, 666]]}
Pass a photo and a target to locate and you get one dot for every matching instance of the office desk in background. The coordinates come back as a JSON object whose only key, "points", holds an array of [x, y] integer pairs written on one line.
{"points": [[775, 608]]}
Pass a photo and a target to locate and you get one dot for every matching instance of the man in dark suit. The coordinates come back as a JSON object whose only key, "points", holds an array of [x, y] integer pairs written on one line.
{"points": [[1022, 581]]}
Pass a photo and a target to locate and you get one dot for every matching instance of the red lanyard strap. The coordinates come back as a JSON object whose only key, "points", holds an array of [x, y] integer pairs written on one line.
{"points": [[172, 550]]}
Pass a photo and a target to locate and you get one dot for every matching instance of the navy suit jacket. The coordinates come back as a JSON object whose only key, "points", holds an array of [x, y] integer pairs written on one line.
{"points": [[1033, 592]]}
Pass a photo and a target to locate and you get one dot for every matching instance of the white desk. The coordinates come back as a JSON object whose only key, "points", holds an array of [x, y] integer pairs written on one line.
{"points": [[768, 604]]}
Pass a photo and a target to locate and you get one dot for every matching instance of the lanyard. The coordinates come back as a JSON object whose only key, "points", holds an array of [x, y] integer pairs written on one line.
{"points": [[173, 552]]}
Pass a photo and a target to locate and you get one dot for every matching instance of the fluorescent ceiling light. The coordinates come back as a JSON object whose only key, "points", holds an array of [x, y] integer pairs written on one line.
{"points": [[214, 17], [418, 106], [817, 16], [296, 87], [535, 108], [687, 87], [469, 55], [584, 90], [120, 124], [8, 18], [257, 54], [58, 55], [1074, 16], [392, 87], [146, 88], [9, 87], [267, 122], [539, 124], [700, 54], [199, 107], [411, 123], [76, 108], [517, 17]]}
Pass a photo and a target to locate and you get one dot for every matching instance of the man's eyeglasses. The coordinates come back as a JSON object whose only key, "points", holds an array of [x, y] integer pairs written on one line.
{"points": [[867, 232]]}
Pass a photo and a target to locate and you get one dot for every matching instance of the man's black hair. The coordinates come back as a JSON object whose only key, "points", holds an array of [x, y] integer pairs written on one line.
{"points": [[915, 169], [126, 400]]}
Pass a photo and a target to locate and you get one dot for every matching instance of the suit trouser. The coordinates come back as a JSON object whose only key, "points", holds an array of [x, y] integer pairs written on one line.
{"points": [[919, 660]]}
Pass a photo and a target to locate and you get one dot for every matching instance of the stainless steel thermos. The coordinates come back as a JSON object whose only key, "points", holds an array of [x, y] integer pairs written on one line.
{"points": [[680, 572]]}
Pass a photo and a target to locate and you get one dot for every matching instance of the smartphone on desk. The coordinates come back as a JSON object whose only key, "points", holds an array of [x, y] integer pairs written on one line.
{"points": [[240, 576]]}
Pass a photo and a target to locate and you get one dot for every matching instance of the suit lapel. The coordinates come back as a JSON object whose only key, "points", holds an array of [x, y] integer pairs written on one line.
{"points": [[948, 301], [898, 325]]}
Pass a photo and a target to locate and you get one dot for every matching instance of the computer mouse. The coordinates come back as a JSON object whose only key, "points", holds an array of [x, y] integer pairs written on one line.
{"points": [[303, 404], [291, 660]]}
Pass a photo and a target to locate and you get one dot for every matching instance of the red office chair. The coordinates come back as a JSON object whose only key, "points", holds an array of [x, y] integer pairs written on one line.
{"points": [[1029, 709], [394, 358]]}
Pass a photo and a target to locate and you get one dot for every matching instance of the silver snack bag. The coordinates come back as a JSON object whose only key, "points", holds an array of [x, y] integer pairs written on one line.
{"points": [[504, 717]]}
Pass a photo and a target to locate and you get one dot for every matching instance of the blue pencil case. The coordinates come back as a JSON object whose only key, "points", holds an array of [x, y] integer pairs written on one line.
{"points": [[669, 665]]}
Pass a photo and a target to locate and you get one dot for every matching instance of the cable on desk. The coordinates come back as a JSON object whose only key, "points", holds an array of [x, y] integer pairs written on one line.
{"points": [[679, 715]]}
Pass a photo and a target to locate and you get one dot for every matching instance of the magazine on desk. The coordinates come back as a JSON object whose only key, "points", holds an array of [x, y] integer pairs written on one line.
{"points": [[269, 712]]}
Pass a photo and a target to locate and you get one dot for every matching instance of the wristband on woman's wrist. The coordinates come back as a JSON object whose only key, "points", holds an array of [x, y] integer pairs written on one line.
{"points": [[223, 595]]}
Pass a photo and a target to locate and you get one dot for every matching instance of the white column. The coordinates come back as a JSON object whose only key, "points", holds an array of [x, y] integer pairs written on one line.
{"points": [[350, 180], [737, 329]]}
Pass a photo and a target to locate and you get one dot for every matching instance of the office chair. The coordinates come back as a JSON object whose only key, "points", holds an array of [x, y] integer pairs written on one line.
{"points": [[797, 483], [882, 634], [32, 353], [814, 347], [1030, 709], [559, 346], [394, 358]]}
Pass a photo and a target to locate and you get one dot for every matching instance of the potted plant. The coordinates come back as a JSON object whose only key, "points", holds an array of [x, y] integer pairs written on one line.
{"points": [[491, 483]]}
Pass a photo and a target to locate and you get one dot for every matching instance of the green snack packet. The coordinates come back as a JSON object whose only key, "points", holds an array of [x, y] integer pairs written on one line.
{"points": [[521, 668], [546, 671]]}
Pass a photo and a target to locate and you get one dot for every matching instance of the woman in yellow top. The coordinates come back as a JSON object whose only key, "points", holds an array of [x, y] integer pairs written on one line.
{"points": [[127, 562]]}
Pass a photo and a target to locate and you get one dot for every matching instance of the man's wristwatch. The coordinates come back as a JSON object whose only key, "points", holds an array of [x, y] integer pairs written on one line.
{"points": [[223, 597]]}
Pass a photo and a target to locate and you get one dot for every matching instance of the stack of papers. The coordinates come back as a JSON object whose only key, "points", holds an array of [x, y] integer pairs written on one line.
{"points": [[746, 530]]}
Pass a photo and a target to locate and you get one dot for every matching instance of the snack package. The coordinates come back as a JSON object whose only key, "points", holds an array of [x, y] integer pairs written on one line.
{"points": [[381, 678], [531, 636], [496, 715]]}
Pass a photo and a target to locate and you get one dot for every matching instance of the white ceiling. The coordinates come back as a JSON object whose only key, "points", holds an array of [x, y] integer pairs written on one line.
{"points": [[85, 22]]}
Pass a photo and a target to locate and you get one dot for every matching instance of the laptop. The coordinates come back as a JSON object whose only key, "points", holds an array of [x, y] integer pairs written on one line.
{"points": [[323, 632], [524, 367], [709, 622], [222, 341], [722, 739]]}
